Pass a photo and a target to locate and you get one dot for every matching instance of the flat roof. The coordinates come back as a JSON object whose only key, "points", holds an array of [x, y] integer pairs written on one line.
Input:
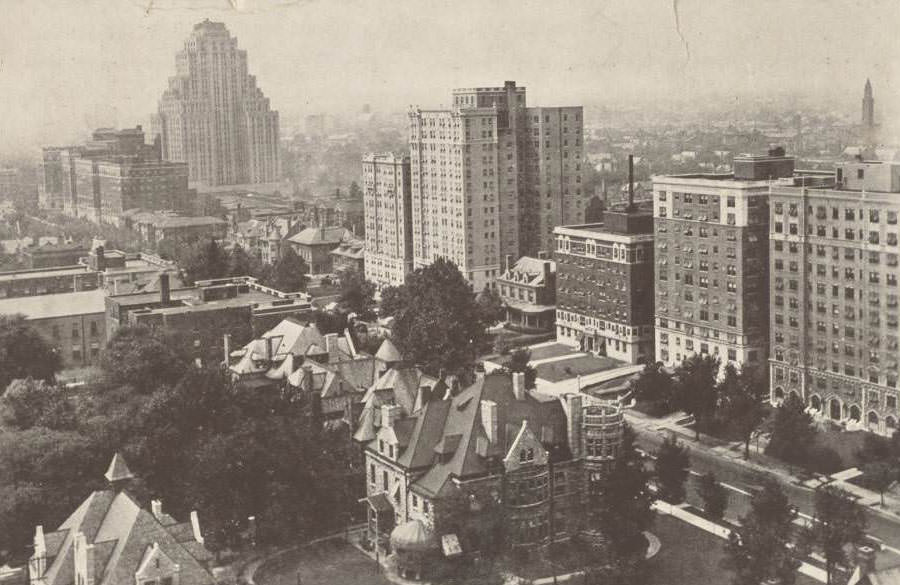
{"points": [[44, 273], [56, 305]]}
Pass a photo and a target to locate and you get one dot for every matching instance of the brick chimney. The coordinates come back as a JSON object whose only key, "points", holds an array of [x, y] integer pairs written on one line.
{"points": [[865, 559], [548, 272], [195, 527], [165, 295], [519, 385], [543, 255], [331, 343]]}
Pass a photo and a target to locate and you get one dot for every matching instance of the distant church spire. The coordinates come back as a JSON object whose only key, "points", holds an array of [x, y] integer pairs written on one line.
{"points": [[868, 107]]}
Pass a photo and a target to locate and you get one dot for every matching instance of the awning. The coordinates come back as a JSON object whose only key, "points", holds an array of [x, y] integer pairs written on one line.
{"points": [[379, 502]]}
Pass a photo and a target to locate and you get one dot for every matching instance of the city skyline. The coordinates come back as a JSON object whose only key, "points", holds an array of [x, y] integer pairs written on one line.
{"points": [[59, 82]]}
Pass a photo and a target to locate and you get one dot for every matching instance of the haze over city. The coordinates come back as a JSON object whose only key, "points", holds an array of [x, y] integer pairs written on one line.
{"points": [[65, 67]]}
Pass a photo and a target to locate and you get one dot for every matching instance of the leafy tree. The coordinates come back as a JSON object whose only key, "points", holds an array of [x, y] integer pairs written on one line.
{"points": [[837, 522], [357, 295], [714, 496], [144, 358], [741, 394], [201, 260], [762, 548], [792, 431], [355, 191], [624, 504], [24, 353], [880, 475], [655, 387], [29, 402], [673, 466], [696, 389], [490, 306], [440, 326], [393, 299], [289, 274], [240, 263], [518, 362]]}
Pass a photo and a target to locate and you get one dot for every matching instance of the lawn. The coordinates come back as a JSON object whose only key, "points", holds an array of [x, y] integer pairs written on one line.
{"points": [[845, 443], [578, 366], [334, 563], [540, 353]]}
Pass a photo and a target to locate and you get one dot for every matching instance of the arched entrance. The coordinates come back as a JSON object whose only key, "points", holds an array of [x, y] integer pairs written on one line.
{"points": [[779, 393], [872, 421], [834, 409], [855, 415], [794, 394], [816, 403], [890, 424]]}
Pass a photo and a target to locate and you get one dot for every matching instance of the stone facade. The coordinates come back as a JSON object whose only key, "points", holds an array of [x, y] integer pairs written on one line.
{"points": [[834, 295]]}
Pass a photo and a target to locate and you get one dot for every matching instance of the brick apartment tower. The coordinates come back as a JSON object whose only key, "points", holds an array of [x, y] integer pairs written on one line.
{"points": [[835, 321], [388, 212], [492, 177], [214, 117], [711, 258]]}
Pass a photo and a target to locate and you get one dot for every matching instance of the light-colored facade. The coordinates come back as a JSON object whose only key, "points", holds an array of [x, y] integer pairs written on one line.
{"points": [[388, 212], [834, 295], [214, 117], [604, 286], [492, 177], [711, 256]]}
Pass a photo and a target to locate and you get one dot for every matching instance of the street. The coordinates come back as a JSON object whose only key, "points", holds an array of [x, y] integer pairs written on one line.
{"points": [[741, 481]]}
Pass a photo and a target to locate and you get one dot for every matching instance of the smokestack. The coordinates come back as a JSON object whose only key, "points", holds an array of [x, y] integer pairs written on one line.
{"points": [[226, 344], [630, 181], [165, 294], [101, 258], [574, 424], [519, 385]]}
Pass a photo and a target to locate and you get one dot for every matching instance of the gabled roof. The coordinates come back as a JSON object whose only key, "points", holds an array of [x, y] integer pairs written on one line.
{"points": [[528, 271], [388, 352]]}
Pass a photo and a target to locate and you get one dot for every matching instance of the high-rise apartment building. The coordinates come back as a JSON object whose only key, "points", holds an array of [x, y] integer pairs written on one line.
{"points": [[114, 172], [388, 211], [492, 177], [214, 117], [834, 294], [711, 258]]}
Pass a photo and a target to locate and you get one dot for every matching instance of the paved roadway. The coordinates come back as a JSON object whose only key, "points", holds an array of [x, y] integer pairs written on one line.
{"points": [[740, 482]]}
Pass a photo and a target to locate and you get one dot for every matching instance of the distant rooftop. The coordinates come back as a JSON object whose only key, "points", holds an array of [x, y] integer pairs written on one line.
{"points": [[56, 305]]}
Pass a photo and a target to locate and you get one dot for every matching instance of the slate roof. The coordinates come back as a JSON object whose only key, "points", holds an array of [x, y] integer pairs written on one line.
{"points": [[121, 532], [529, 271], [316, 236], [388, 352]]}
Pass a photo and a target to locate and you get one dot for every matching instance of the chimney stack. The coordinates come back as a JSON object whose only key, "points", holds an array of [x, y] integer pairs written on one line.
{"points": [[519, 385], [331, 343], [547, 273], [490, 421], [865, 559], [165, 295], [157, 509], [543, 255], [509, 262], [389, 414], [101, 258], [630, 182], [195, 527]]}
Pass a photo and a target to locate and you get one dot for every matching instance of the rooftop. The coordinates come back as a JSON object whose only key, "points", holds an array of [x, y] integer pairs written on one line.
{"points": [[56, 305]]}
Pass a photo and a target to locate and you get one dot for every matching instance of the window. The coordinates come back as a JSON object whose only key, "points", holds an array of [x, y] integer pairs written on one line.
{"points": [[730, 201], [384, 480]]}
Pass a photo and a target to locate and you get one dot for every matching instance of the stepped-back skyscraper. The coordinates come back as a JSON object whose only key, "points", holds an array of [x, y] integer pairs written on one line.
{"points": [[214, 117]]}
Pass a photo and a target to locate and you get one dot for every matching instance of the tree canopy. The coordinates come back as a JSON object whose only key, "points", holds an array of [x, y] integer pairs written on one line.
{"points": [[518, 362], [792, 431], [837, 522], [24, 353], [655, 388], [741, 394], [696, 389], [289, 273], [673, 466], [439, 325], [357, 295]]}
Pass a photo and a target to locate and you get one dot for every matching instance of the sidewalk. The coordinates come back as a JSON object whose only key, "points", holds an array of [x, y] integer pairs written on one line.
{"points": [[761, 463]]}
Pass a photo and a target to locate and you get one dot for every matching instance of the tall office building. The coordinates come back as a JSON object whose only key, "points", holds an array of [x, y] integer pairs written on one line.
{"points": [[388, 215], [214, 117], [868, 107], [113, 172], [711, 259], [834, 294], [492, 177]]}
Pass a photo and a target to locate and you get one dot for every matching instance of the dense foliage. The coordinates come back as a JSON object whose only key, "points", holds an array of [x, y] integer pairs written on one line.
{"points": [[23, 352], [673, 466]]}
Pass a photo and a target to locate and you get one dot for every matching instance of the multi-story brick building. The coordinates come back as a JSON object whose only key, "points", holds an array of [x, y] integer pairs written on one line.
{"points": [[388, 214], [604, 285], [492, 177], [214, 117], [492, 445], [528, 291], [834, 293], [114, 172], [711, 258]]}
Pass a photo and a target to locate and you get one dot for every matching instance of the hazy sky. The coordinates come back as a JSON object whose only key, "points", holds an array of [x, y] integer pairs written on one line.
{"points": [[65, 63]]}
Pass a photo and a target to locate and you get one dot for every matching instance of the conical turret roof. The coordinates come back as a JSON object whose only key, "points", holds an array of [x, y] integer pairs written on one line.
{"points": [[118, 470]]}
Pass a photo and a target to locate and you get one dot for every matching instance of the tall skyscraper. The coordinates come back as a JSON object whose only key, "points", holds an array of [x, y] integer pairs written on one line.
{"points": [[388, 212], [711, 258], [868, 107], [214, 117], [492, 177], [835, 322]]}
